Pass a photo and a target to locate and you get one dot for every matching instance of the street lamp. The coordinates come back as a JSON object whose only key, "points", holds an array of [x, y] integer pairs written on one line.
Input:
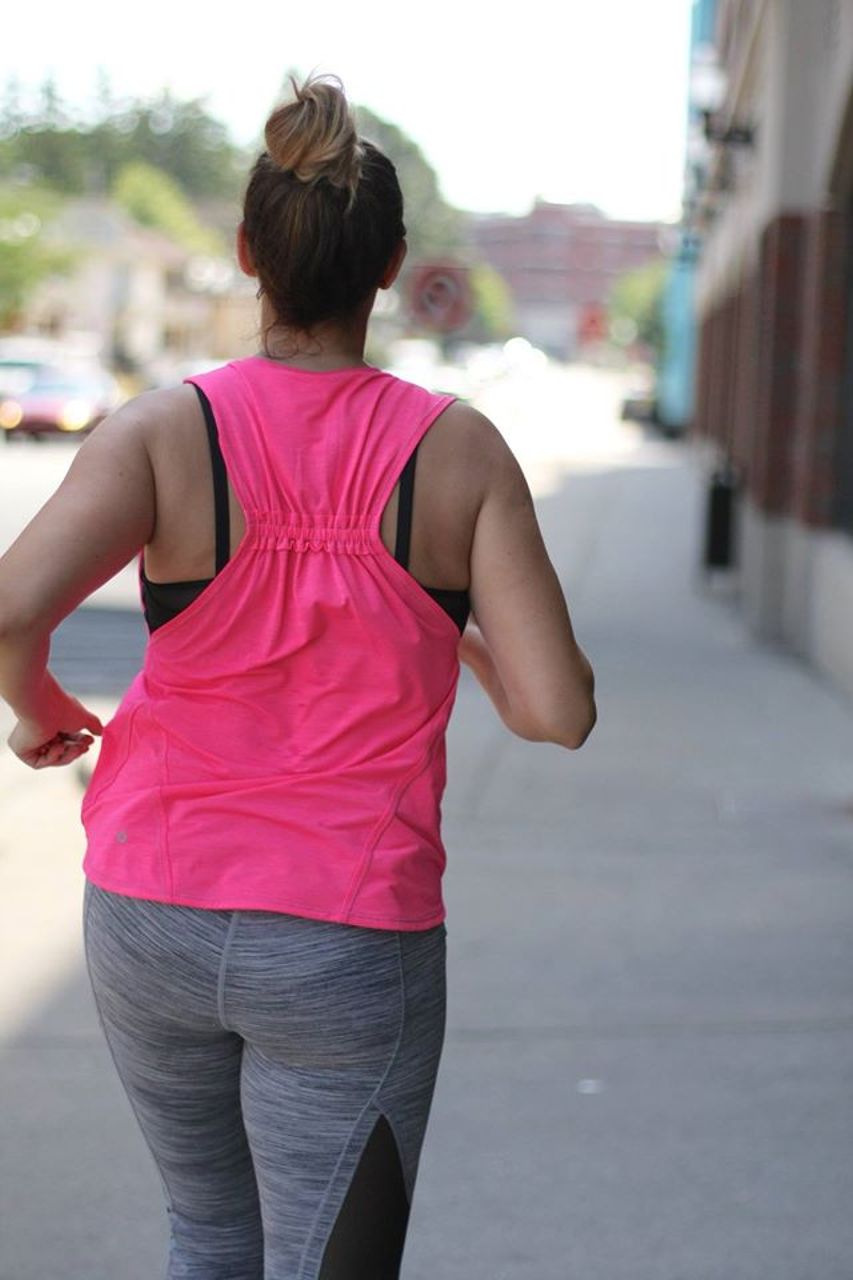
{"points": [[708, 85], [708, 81]]}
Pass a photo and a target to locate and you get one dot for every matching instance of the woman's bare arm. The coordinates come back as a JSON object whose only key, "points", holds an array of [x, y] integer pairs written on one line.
{"points": [[101, 515], [524, 651]]}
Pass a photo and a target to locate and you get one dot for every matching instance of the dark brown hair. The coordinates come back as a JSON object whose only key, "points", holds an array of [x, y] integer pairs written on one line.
{"points": [[323, 210]]}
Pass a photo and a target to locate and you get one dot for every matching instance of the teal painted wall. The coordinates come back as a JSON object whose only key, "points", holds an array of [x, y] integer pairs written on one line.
{"points": [[676, 371]]}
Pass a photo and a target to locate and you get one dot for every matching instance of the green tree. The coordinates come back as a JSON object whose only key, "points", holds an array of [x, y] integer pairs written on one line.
{"points": [[44, 145], [26, 255], [637, 297], [434, 227], [493, 305], [12, 115], [154, 199], [181, 138], [185, 141]]}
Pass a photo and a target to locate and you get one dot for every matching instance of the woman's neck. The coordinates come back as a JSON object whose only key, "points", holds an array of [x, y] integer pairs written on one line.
{"points": [[328, 346]]}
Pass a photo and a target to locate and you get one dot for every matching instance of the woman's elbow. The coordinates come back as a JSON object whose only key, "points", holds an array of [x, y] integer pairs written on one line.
{"points": [[572, 734], [583, 714], [578, 733]]}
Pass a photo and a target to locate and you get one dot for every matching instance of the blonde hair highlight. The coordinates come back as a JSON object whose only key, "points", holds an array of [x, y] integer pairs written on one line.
{"points": [[314, 137]]}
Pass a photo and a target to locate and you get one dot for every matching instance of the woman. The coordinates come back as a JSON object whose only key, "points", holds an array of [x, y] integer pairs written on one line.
{"points": [[263, 916]]}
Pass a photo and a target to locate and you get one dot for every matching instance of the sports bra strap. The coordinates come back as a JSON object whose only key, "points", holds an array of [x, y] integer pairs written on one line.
{"points": [[220, 485], [404, 510]]}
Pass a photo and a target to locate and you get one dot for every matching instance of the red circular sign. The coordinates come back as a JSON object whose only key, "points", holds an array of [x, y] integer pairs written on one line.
{"points": [[593, 323], [440, 296]]}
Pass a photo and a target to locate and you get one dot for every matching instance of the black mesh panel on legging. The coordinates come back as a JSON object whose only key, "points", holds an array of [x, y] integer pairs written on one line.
{"points": [[370, 1231]]}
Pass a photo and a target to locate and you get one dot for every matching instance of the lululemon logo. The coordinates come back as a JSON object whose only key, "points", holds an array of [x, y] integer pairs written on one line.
{"points": [[121, 837]]}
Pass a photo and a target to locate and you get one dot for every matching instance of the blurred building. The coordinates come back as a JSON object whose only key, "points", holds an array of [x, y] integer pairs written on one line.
{"points": [[774, 300], [560, 262], [138, 295]]}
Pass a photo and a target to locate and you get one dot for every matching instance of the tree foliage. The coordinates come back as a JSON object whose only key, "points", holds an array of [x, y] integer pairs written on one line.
{"points": [[84, 156], [165, 159], [52, 145], [493, 305], [637, 296], [26, 255], [154, 199], [434, 227]]}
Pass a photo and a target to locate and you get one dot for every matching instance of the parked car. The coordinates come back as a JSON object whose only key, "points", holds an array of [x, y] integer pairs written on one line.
{"points": [[52, 400], [639, 404], [21, 358], [17, 375]]}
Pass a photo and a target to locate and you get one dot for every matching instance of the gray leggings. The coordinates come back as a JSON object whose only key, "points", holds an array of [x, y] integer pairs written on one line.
{"points": [[281, 1070]]}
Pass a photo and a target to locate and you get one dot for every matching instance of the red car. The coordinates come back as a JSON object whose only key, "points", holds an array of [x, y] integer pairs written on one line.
{"points": [[58, 402]]}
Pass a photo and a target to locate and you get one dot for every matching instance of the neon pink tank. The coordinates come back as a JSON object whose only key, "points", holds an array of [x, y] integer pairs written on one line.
{"points": [[283, 747]]}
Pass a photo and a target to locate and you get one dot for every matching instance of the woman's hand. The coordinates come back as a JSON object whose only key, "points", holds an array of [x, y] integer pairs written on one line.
{"points": [[474, 652], [59, 739]]}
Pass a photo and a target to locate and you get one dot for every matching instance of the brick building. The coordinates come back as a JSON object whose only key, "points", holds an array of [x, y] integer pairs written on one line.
{"points": [[560, 262], [774, 288]]}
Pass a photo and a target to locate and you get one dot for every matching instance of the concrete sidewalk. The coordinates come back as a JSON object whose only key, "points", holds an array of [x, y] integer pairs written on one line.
{"points": [[647, 1067]]}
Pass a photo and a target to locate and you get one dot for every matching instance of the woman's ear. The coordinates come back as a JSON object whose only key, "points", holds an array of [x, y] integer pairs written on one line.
{"points": [[244, 256], [393, 269]]}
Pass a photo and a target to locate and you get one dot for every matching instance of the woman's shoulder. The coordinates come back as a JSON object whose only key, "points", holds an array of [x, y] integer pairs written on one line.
{"points": [[471, 437], [166, 420], [158, 402], [462, 453], [461, 417]]}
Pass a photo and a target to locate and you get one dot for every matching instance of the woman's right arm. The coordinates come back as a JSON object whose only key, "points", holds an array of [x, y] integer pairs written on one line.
{"points": [[523, 649]]}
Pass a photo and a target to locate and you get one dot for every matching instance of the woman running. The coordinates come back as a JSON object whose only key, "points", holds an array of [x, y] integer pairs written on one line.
{"points": [[263, 914]]}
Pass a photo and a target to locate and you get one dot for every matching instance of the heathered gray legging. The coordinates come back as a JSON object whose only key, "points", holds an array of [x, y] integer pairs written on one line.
{"points": [[282, 1072]]}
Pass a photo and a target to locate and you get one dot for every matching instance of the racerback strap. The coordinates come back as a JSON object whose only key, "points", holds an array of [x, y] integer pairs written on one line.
{"points": [[404, 510], [220, 484]]}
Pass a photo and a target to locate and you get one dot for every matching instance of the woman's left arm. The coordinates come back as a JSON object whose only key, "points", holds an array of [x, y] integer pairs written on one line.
{"points": [[99, 518]]}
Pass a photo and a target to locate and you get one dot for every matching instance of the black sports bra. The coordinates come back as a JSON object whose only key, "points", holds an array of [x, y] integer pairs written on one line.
{"points": [[162, 601]]}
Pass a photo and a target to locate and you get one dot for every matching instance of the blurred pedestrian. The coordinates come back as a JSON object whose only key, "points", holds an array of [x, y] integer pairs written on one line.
{"points": [[263, 915]]}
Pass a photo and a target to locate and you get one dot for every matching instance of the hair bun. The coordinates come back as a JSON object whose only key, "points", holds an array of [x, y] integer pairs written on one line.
{"points": [[315, 136]]}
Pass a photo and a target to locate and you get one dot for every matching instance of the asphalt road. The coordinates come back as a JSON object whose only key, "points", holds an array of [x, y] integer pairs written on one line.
{"points": [[647, 1070]]}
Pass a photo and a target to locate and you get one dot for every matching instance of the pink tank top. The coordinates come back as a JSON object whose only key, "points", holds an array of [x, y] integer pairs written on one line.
{"points": [[283, 747]]}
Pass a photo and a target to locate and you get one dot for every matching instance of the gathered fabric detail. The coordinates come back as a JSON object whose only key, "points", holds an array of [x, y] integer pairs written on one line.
{"points": [[279, 531]]}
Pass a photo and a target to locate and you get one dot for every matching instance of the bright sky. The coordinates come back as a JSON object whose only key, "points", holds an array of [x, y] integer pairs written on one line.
{"points": [[569, 101]]}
